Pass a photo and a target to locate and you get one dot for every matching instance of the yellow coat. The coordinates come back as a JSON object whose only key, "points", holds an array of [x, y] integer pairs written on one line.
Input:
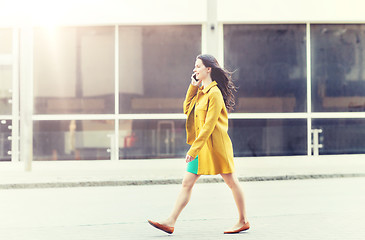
{"points": [[206, 129]]}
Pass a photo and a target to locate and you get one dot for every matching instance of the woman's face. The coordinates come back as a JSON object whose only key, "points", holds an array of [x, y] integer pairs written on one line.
{"points": [[201, 72]]}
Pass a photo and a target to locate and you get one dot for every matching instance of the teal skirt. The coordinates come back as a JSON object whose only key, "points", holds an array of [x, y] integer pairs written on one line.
{"points": [[193, 166]]}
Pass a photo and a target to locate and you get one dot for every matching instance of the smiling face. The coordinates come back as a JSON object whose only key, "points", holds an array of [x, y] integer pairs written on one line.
{"points": [[201, 72]]}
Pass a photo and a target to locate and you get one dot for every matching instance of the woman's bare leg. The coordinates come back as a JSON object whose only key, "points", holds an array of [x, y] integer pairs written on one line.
{"points": [[232, 181], [182, 199]]}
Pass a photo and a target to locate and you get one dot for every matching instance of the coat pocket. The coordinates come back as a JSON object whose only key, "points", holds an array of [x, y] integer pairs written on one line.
{"points": [[201, 112]]}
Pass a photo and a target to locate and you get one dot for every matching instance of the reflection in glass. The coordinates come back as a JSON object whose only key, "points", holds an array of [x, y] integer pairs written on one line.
{"points": [[6, 74], [167, 138], [5, 140], [6, 77], [268, 137], [338, 75], [6, 38], [72, 140], [270, 64], [341, 136], [74, 70], [152, 139], [155, 65]]}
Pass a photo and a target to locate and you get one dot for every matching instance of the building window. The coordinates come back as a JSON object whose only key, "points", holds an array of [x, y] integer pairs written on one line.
{"points": [[6, 70], [155, 65], [270, 66], [341, 136], [5, 140], [74, 70], [152, 139], [338, 75], [72, 140], [268, 137]]}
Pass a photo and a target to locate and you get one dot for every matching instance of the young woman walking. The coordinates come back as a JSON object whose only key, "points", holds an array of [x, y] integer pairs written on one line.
{"points": [[211, 151]]}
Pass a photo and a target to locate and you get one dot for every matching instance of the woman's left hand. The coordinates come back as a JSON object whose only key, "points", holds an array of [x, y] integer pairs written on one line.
{"points": [[188, 158]]}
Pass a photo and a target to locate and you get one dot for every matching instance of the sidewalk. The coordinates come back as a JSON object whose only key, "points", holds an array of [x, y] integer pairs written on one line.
{"points": [[326, 209], [166, 171]]}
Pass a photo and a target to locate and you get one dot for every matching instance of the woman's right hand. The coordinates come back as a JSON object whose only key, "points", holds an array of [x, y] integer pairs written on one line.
{"points": [[195, 82]]}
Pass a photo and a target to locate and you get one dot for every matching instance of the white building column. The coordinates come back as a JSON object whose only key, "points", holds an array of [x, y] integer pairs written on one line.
{"points": [[211, 30], [15, 98], [26, 96]]}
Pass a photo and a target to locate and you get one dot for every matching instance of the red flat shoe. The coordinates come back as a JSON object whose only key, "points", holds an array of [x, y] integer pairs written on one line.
{"points": [[164, 228], [245, 227]]}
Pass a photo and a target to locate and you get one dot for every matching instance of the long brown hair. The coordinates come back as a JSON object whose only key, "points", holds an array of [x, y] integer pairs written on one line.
{"points": [[223, 79]]}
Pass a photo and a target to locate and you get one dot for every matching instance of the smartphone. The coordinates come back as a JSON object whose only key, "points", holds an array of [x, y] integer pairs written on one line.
{"points": [[194, 76]]}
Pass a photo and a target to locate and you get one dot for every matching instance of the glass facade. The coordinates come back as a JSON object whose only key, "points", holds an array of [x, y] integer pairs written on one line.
{"points": [[152, 139], [6, 76], [72, 140], [116, 92], [269, 64], [74, 70], [341, 136], [6, 70], [155, 64], [6, 92], [268, 137], [5, 140], [338, 75]]}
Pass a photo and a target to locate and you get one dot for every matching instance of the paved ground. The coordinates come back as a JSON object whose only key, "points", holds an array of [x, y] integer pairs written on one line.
{"points": [[296, 209], [124, 172]]}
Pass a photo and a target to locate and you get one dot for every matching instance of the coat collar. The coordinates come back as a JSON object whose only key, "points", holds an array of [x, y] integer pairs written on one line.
{"points": [[212, 84]]}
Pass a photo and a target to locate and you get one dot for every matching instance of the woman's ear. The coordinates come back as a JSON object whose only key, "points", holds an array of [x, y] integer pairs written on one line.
{"points": [[209, 69]]}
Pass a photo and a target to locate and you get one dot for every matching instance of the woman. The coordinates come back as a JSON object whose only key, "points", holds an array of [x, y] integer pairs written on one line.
{"points": [[211, 149]]}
